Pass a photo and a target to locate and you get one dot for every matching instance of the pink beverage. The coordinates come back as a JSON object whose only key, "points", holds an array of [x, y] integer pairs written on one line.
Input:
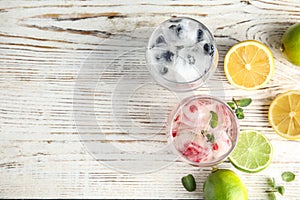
{"points": [[203, 130]]}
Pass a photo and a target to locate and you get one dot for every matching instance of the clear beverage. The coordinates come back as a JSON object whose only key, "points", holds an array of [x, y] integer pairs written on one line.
{"points": [[181, 54], [203, 130]]}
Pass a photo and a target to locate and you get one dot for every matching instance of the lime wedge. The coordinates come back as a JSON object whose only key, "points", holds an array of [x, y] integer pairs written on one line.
{"points": [[253, 152]]}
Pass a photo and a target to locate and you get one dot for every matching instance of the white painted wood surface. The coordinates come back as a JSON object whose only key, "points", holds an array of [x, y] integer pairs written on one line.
{"points": [[45, 45]]}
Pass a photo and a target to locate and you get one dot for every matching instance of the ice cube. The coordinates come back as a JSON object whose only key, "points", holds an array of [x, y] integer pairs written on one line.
{"points": [[184, 72], [191, 59], [195, 60], [183, 139], [196, 115], [181, 50], [224, 120], [182, 32], [159, 41], [224, 143]]}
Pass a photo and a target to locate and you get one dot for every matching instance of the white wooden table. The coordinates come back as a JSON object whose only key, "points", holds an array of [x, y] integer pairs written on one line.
{"points": [[80, 116]]}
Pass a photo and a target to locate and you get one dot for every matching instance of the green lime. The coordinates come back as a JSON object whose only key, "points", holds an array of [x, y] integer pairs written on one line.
{"points": [[291, 44], [224, 184], [253, 152]]}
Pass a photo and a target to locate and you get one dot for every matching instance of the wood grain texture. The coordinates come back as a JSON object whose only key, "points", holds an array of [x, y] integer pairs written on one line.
{"points": [[44, 45]]}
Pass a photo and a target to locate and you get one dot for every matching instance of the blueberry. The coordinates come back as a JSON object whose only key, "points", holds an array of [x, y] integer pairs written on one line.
{"points": [[164, 70], [175, 20], [199, 35], [209, 49], [160, 40], [177, 28], [168, 56], [191, 59], [179, 47], [172, 27]]}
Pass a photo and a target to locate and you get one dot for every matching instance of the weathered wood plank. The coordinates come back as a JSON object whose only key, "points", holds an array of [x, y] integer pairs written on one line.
{"points": [[45, 44]]}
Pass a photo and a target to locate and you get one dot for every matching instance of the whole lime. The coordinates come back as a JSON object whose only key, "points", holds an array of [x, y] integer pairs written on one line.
{"points": [[224, 184], [291, 44]]}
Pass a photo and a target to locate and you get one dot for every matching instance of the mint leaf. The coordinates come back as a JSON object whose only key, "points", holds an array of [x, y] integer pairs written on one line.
{"points": [[210, 138], [280, 189], [214, 119], [239, 112], [189, 182], [244, 102], [288, 176], [231, 105], [272, 196], [271, 182]]}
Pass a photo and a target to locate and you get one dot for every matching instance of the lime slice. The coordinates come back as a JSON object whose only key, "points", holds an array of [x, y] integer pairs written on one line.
{"points": [[253, 152]]}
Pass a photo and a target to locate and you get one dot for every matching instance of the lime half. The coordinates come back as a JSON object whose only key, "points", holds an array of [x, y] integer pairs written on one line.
{"points": [[253, 152]]}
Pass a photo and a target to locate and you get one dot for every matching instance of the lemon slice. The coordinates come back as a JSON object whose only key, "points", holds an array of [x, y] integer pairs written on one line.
{"points": [[253, 152], [284, 115], [249, 65]]}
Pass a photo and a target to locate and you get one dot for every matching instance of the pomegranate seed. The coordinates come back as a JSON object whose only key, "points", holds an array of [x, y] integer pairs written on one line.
{"points": [[193, 108], [174, 133], [215, 147], [176, 119], [228, 142]]}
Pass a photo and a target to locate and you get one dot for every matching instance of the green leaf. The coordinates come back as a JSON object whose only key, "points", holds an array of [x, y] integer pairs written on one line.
{"points": [[280, 189], [239, 112], [244, 102], [288, 176], [189, 183], [214, 119], [231, 105], [272, 196], [240, 115], [210, 138], [271, 182]]}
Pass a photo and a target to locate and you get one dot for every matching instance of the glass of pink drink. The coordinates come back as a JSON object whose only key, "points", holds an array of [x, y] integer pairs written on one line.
{"points": [[202, 130]]}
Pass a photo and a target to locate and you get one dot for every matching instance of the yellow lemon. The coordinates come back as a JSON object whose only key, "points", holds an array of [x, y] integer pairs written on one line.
{"points": [[249, 65], [284, 115]]}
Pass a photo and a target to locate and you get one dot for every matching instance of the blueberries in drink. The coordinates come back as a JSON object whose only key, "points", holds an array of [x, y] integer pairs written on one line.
{"points": [[181, 50], [177, 28], [164, 70], [199, 35], [167, 56], [209, 49]]}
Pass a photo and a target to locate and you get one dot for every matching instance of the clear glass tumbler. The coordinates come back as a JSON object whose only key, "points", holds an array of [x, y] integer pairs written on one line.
{"points": [[202, 130], [181, 54]]}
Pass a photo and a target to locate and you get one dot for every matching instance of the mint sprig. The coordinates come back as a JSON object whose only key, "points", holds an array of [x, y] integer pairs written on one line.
{"points": [[236, 105], [287, 177]]}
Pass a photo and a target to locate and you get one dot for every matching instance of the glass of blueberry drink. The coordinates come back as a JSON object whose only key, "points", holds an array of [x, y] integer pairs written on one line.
{"points": [[181, 54]]}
